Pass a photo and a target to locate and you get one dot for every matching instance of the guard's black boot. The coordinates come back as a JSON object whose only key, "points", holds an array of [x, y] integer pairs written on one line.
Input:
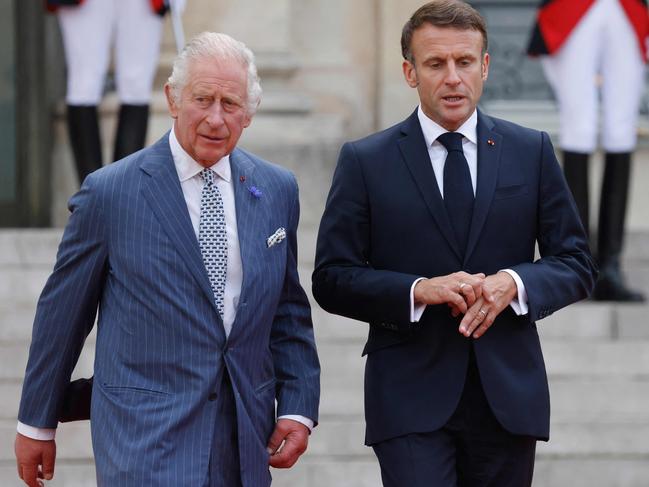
{"points": [[131, 130], [83, 129], [575, 168], [612, 211]]}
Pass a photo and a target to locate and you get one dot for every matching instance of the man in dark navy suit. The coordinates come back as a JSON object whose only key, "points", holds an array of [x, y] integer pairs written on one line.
{"points": [[429, 235]]}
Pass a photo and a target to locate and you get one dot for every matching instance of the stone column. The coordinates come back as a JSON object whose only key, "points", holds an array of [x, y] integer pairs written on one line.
{"points": [[397, 99]]}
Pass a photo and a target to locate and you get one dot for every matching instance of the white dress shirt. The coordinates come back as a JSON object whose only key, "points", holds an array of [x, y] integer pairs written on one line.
{"points": [[192, 184], [437, 153]]}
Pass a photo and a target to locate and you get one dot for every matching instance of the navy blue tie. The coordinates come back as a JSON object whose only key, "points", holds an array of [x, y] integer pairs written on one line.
{"points": [[458, 190]]}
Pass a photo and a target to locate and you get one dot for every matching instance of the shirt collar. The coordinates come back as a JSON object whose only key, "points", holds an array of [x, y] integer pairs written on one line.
{"points": [[187, 168], [432, 130]]}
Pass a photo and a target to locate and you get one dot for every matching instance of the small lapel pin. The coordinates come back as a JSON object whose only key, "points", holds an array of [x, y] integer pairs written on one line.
{"points": [[491, 142], [242, 179]]}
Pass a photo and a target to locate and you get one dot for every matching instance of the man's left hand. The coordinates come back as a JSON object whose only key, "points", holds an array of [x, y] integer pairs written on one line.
{"points": [[498, 290], [287, 443]]}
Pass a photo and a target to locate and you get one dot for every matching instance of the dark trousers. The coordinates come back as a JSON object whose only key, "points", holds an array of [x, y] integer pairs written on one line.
{"points": [[224, 468], [471, 450]]}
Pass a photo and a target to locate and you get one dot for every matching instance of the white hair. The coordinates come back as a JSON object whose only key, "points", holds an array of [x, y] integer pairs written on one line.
{"points": [[216, 46]]}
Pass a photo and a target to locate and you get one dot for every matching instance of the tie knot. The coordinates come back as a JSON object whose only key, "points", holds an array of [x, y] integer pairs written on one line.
{"points": [[208, 176], [451, 140]]}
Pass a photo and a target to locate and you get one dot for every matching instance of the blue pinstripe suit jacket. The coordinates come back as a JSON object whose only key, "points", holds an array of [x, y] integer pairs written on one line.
{"points": [[130, 252]]}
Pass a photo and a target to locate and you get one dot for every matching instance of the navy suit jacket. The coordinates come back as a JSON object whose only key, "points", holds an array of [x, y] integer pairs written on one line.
{"points": [[130, 251], [385, 225]]}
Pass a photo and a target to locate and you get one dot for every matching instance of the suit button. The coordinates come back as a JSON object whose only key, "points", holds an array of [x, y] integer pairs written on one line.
{"points": [[212, 397]]}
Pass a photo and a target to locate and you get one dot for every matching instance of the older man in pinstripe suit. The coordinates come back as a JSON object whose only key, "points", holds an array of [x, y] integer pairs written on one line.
{"points": [[188, 249]]}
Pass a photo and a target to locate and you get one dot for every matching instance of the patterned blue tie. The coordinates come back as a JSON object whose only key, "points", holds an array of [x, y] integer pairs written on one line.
{"points": [[212, 237], [458, 190]]}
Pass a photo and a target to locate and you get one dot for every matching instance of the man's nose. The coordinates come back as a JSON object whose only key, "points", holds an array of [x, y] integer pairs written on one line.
{"points": [[452, 77], [215, 115]]}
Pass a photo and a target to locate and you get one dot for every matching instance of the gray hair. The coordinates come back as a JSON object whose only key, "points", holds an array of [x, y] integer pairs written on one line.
{"points": [[217, 46]]}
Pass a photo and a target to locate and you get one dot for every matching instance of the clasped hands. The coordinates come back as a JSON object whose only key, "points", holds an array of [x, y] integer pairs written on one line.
{"points": [[478, 297]]}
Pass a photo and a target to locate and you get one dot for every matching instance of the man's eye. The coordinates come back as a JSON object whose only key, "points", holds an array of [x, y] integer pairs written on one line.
{"points": [[230, 105]]}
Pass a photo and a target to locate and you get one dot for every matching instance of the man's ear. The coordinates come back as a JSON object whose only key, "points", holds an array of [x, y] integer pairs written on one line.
{"points": [[485, 67], [171, 102], [248, 119], [410, 73]]}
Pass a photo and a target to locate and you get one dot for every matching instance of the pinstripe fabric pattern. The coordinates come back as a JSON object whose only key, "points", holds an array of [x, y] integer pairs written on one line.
{"points": [[161, 351]]}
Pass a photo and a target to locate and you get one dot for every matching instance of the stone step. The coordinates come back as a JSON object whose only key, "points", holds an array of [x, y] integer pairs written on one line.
{"points": [[338, 447], [573, 399], [597, 440], [586, 320], [66, 474], [73, 441], [37, 247], [576, 401], [596, 321], [14, 360], [344, 437], [20, 288], [594, 359], [364, 472], [16, 321], [575, 472], [614, 360], [342, 361], [601, 399], [23, 285], [333, 471], [27, 257], [591, 472], [576, 439], [28, 247]]}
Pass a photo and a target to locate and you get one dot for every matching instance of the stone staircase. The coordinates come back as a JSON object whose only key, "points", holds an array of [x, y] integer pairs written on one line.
{"points": [[597, 357]]}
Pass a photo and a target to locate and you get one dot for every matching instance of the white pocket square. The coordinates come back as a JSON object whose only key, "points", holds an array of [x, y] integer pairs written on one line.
{"points": [[277, 237]]}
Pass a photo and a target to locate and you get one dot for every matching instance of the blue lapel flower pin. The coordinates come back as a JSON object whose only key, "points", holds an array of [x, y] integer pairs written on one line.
{"points": [[255, 191]]}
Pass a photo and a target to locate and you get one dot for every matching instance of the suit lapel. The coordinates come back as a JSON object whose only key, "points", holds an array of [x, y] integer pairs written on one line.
{"points": [[489, 151], [163, 192], [247, 210], [415, 154]]}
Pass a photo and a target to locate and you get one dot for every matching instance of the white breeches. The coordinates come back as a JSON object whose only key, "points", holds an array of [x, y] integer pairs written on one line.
{"points": [[600, 61], [89, 31]]}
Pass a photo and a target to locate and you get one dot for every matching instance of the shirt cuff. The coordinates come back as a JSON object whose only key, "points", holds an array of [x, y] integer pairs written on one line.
{"points": [[43, 434], [300, 419], [519, 303], [415, 310]]}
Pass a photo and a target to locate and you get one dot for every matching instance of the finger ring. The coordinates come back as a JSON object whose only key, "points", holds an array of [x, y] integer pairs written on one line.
{"points": [[484, 313], [461, 285]]}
